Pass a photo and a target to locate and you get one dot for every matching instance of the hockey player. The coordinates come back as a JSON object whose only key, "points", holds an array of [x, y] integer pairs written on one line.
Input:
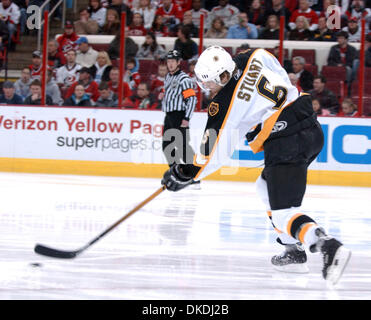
{"points": [[253, 97]]}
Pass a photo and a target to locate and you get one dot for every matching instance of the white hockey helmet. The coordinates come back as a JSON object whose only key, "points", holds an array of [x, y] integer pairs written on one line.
{"points": [[211, 64]]}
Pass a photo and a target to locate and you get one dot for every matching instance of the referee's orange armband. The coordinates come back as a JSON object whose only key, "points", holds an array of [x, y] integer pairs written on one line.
{"points": [[188, 93]]}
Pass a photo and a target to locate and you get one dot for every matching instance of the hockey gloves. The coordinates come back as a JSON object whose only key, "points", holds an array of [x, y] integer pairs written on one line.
{"points": [[250, 136], [174, 179]]}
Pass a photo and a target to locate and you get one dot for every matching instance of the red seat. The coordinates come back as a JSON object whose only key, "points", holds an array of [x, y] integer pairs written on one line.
{"points": [[334, 72], [147, 68], [229, 50], [367, 106], [285, 52], [312, 68], [308, 54], [100, 46], [337, 87], [366, 88], [366, 103]]}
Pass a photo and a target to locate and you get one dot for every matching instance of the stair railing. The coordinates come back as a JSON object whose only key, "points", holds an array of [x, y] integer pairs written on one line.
{"points": [[60, 2]]}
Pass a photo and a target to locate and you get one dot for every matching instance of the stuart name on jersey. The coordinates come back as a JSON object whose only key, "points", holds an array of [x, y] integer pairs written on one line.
{"points": [[259, 92], [248, 83]]}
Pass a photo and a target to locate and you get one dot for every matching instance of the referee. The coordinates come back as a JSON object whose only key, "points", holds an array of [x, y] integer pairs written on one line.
{"points": [[178, 103]]}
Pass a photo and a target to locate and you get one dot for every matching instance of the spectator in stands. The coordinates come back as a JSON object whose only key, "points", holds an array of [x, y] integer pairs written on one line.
{"points": [[157, 82], [291, 5], [305, 78], [294, 81], [4, 34], [301, 31], [326, 4], [112, 25], [143, 99], [136, 27], [113, 83], [217, 29], [323, 33], [275, 9], [148, 12], [102, 67], [86, 56], [10, 97], [150, 49], [67, 40], [78, 98], [358, 9], [35, 97], [56, 59], [22, 5], [22, 85], [307, 12], [348, 109], [317, 108], [243, 48], [344, 55], [36, 65], [131, 48], [130, 3], [229, 14], [243, 30], [316, 5], [52, 89], [185, 5], [97, 12], [85, 25], [67, 74], [256, 14], [325, 96], [10, 14], [88, 83], [107, 99], [187, 21], [272, 29], [105, 3], [185, 45], [353, 30], [132, 76], [159, 28], [120, 6], [196, 11], [368, 50], [171, 13]]}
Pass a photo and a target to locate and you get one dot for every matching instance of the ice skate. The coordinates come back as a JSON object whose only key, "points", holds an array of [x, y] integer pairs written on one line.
{"points": [[293, 259], [335, 256]]}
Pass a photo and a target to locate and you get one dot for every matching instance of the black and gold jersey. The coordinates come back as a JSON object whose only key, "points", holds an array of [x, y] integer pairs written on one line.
{"points": [[258, 92]]}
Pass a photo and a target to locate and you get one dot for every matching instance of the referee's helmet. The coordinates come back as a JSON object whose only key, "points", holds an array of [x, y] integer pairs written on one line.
{"points": [[174, 54]]}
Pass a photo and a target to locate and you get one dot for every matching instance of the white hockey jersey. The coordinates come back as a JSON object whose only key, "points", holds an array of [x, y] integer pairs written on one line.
{"points": [[11, 13], [67, 75], [256, 95]]}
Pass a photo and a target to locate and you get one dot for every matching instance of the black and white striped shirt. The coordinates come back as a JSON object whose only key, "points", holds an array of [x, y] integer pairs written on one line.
{"points": [[179, 94]]}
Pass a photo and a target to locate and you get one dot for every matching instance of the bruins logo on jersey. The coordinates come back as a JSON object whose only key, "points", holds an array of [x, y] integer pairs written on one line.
{"points": [[213, 108]]}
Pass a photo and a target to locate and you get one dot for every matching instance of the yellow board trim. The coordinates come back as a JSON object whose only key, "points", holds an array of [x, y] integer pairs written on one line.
{"points": [[125, 169]]}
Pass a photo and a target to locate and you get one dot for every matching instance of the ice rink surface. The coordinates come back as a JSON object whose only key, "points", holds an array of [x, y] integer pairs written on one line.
{"points": [[213, 243]]}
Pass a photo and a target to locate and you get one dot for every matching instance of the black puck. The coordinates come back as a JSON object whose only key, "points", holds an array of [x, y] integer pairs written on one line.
{"points": [[35, 264]]}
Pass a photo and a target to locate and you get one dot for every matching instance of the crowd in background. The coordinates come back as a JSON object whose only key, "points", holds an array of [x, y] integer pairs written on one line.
{"points": [[79, 75]]}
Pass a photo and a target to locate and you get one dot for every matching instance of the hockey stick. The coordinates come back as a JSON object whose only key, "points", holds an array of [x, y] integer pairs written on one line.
{"points": [[62, 254]]}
